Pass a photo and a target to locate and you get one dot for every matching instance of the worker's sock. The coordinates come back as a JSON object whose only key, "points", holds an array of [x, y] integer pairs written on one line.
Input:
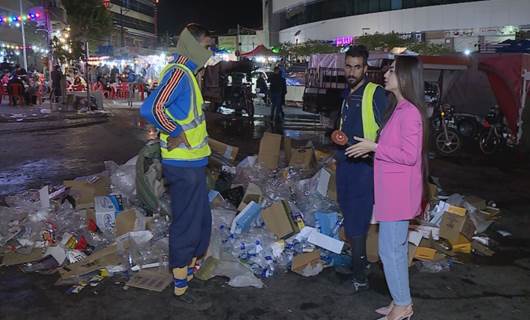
{"points": [[191, 268], [180, 280]]}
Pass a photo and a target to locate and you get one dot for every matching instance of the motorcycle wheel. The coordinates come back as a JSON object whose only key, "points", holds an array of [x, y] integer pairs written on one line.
{"points": [[489, 142], [450, 145]]}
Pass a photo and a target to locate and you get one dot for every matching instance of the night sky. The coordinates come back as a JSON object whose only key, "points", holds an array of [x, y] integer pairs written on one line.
{"points": [[217, 15]]}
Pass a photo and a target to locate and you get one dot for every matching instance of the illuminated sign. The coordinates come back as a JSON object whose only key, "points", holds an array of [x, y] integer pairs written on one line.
{"points": [[343, 41]]}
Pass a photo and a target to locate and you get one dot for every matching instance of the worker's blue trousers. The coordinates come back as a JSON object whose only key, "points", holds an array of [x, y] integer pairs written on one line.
{"points": [[355, 195], [191, 223]]}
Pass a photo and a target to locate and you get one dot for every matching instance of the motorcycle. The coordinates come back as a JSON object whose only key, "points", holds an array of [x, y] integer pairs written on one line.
{"points": [[447, 140], [495, 133]]}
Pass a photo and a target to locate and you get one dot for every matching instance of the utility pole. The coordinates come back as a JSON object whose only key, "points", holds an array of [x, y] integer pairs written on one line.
{"points": [[23, 35], [238, 47]]}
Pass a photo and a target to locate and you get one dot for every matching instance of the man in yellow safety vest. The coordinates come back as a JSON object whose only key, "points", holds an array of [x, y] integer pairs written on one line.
{"points": [[175, 109], [361, 116]]}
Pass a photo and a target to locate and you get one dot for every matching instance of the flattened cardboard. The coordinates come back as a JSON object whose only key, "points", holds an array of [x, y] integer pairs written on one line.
{"points": [[476, 202], [226, 151], [302, 260], [97, 260], [326, 242], [269, 150], [482, 249], [461, 245], [125, 222], [13, 258], [278, 220], [84, 192], [150, 280], [372, 243]]}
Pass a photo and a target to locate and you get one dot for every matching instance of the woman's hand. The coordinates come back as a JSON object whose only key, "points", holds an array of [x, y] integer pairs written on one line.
{"points": [[361, 149]]}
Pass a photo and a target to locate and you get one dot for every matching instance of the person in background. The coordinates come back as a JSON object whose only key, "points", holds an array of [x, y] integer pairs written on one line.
{"points": [[56, 77], [131, 82], [400, 177], [261, 84], [277, 90]]}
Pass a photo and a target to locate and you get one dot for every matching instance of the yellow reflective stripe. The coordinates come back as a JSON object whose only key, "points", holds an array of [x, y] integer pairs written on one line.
{"points": [[370, 126]]}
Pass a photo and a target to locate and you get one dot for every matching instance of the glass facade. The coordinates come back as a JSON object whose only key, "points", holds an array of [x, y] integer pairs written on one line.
{"points": [[130, 22], [330, 9], [136, 6]]}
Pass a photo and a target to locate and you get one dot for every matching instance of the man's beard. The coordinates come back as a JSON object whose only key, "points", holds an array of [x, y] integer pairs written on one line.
{"points": [[353, 82]]}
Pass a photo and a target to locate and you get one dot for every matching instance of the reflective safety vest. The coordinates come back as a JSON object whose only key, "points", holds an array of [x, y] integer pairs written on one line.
{"points": [[370, 125], [193, 126]]}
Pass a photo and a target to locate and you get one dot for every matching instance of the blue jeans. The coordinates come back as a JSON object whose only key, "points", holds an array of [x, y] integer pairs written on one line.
{"points": [[393, 250], [191, 223]]}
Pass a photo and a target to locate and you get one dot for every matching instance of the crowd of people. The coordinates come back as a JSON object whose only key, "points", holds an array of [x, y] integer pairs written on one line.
{"points": [[30, 87], [24, 87]]}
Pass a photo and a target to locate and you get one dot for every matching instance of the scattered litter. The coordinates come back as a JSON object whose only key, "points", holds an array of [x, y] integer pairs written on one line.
{"points": [[271, 213]]}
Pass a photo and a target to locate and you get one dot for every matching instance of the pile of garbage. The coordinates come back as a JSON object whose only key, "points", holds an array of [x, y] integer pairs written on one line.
{"points": [[273, 212]]}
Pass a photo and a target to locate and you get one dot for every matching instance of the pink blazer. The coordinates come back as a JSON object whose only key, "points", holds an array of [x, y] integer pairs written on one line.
{"points": [[397, 166]]}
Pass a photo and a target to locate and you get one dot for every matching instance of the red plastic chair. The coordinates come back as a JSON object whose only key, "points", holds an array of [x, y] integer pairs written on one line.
{"points": [[16, 93], [3, 93]]}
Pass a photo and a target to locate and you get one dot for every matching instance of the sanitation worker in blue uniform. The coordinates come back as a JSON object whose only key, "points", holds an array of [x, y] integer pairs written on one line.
{"points": [[175, 109], [361, 116]]}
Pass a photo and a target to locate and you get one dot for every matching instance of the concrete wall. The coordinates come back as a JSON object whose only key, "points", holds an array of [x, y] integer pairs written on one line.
{"points": [[464, 16]]}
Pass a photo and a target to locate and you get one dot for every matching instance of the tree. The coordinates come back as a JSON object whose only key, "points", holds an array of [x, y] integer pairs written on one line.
{"points": [[388, 41], [307, 48], [89, 21]]}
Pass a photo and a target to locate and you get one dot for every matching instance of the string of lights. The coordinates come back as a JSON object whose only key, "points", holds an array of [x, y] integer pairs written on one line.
{"points": [[17, 19]]}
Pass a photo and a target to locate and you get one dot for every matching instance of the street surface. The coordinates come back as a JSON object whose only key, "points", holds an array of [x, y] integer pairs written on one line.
{"points": [[483, 288]]}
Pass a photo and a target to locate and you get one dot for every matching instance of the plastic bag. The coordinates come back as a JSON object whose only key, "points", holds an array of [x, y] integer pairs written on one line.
{"points": [[123, 178]]}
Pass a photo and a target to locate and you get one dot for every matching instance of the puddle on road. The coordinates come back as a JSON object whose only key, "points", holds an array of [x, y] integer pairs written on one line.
{"points": [[36, 173]]}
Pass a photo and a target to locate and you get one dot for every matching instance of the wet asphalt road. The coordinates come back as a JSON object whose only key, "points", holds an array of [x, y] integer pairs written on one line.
{"points": [[483, 288]]}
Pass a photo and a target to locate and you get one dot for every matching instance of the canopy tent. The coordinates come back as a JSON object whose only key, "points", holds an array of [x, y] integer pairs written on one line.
{"points": [[506, 75], [444, 70], [260, 50]]}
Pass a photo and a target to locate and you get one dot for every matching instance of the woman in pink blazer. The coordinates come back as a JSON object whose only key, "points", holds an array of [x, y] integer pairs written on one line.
{"points": [[400, 177]]}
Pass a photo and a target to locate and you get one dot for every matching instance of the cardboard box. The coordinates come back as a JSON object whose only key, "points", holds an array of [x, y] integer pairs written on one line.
{"points": [[425, 254], [84, 192], [245, 218], [456, 210], [302, 260], [224, 150], [150, 280], [303, 158], [461, 245], [453, 223], [107, 208], [372, 243], [253, 193], [269, 150], [125, 222], [279, 221]]}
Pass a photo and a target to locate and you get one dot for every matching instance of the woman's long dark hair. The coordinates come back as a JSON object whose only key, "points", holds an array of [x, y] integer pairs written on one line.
{"points": [[409, 73]]}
